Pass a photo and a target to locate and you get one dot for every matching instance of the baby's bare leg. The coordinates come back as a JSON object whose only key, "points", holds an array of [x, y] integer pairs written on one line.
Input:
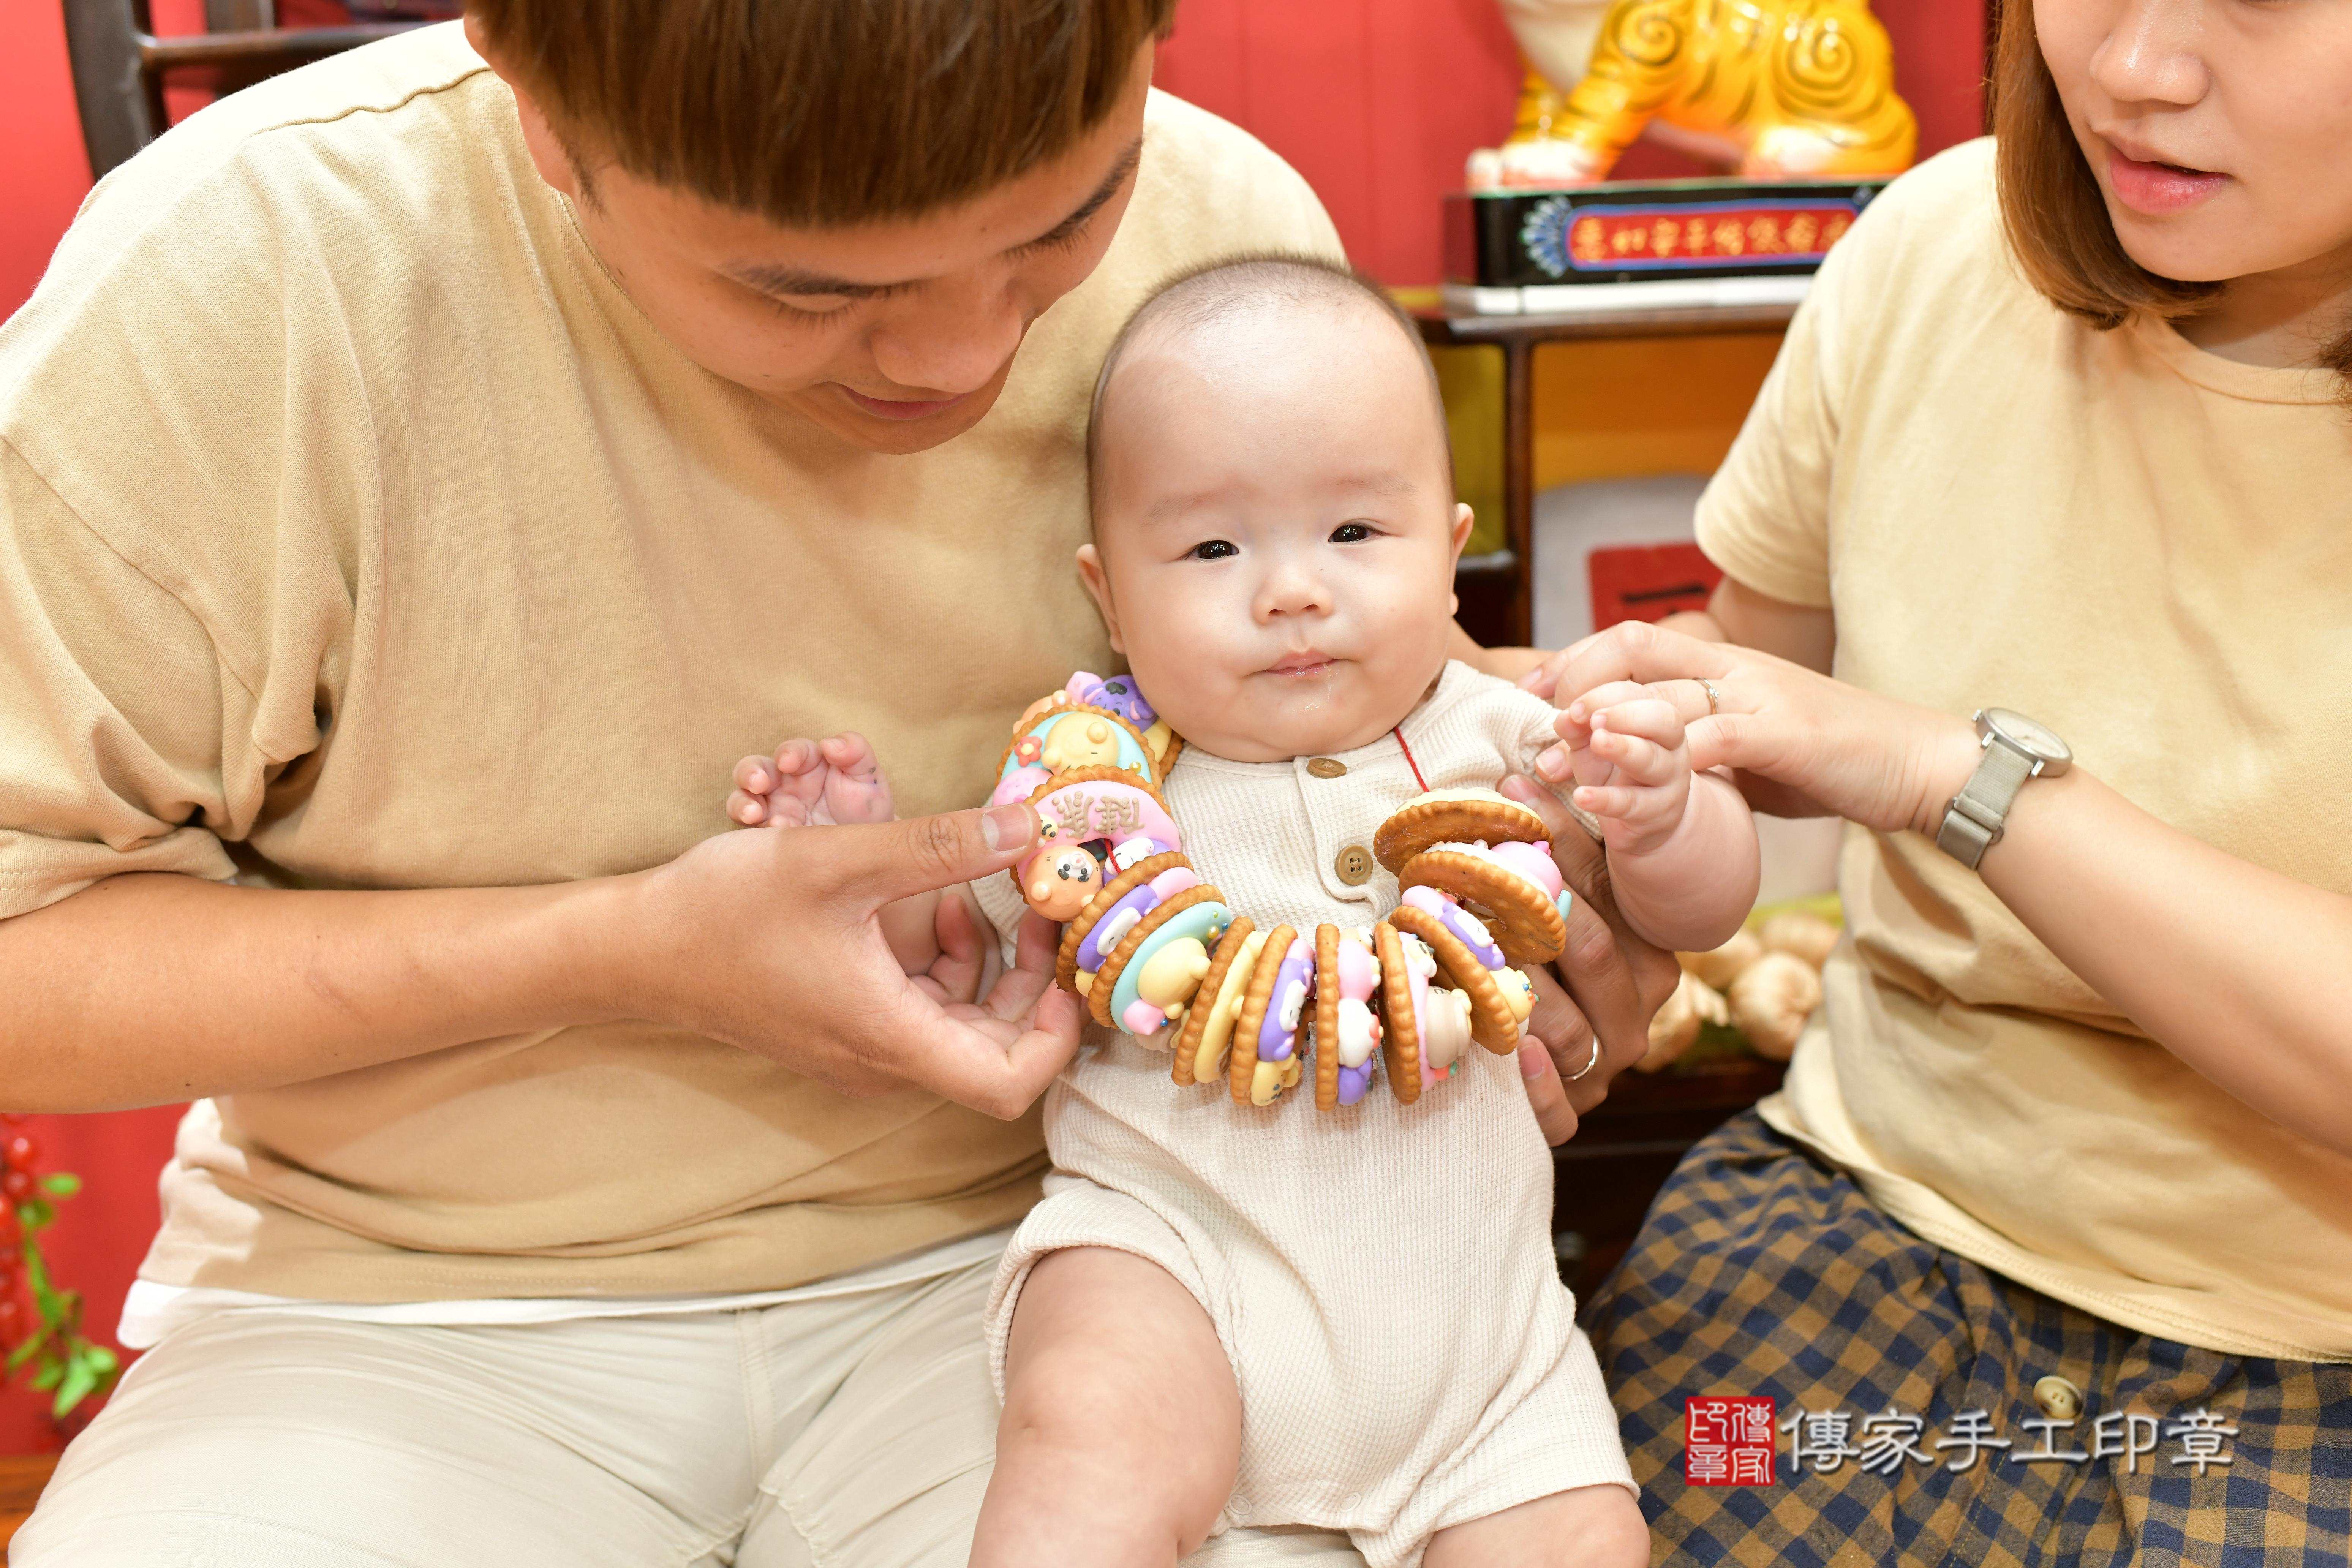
{"points": [[1592, 1527], [1122, 1425]]}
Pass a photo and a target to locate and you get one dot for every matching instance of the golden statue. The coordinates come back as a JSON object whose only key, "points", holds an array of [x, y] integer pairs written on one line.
{"points": [[1770, 89]]}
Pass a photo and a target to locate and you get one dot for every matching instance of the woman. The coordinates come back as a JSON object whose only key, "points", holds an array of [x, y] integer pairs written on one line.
{"points": [[2065, 428]]}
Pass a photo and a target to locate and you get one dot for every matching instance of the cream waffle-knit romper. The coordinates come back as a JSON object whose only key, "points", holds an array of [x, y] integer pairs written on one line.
{"points": [[1382, 1276]]}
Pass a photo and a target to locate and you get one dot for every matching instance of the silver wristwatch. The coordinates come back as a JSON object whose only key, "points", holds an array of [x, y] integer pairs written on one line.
{"points": [[2015, 749]]}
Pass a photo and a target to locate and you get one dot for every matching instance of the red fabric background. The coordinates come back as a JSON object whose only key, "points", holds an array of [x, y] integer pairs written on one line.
{"points": [[1376, 101]]}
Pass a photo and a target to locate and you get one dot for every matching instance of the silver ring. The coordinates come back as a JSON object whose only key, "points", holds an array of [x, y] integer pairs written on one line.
{"points": [[1589, 1066], [1713, 700]]}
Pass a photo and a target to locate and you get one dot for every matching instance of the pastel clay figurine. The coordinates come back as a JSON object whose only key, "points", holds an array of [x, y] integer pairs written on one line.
{"points": [[1059, 882]]}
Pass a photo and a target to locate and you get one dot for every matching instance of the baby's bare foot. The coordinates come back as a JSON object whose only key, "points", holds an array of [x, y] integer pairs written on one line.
{"points": [[811, 784]]}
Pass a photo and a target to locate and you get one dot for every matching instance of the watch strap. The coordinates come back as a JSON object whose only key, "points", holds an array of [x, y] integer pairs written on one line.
{"points": [[1974, 821]]}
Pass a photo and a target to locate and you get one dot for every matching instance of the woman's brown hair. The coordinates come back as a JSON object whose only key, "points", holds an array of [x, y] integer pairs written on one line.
{"points": [[2053, 212], [823, 112]]}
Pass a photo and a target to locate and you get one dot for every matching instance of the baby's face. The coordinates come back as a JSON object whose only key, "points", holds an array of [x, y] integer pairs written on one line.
{"points": [[1275, 534]]}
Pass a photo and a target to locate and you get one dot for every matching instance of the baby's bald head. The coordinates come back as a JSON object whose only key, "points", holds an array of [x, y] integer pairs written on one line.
{"points": [[1230, 300]]}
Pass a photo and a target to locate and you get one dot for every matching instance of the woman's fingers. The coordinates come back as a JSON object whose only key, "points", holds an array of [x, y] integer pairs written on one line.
{"points": [[1637, 652], [1652, 718], [1581, 706]]}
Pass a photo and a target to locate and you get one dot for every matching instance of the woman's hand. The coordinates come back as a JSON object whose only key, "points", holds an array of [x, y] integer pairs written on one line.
{"points": [[1613, 983], [1803, 743], [768, 941]]}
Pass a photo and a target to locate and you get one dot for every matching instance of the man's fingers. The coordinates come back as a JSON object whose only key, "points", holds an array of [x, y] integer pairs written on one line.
{"points": [[1554, 1115], [1034, 948], [1556, 1025], [962, 956], [874, 863], [993, 1067]]}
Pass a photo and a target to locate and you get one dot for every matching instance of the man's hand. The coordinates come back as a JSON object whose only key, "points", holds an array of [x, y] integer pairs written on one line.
{"points": [[1614, 981], [768, 941]]}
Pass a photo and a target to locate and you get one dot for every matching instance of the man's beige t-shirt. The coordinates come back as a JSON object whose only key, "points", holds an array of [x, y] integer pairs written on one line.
{"points": [[357, 532], [2149, 549]]}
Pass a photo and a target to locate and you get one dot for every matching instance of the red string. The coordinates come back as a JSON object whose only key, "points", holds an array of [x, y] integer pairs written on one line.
{"points": [[1399, 733]]}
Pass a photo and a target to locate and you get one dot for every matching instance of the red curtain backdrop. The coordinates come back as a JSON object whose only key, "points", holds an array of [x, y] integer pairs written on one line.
{"points": [[1376, 101]]}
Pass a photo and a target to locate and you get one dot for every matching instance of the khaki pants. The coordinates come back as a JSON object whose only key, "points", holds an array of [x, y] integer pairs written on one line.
{"points": [[852, 1430]]}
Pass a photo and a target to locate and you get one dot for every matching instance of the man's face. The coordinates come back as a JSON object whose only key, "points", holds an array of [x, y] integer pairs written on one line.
{"points": [[895, 335]]}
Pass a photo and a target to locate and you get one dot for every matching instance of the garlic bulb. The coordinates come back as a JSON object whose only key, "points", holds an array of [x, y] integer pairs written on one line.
{"points": [[1806, 936], [1676, 1025], [1770, 1000], [1717, 968]]}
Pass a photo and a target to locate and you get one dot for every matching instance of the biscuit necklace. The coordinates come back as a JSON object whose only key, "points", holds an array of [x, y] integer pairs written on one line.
{"points": [[1152, 949]]}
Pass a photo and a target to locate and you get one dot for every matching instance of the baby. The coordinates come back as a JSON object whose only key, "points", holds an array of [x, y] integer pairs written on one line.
{"points": [[1235, 1314]]}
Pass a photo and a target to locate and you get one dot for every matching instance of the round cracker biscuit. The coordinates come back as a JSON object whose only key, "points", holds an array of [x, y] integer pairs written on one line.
{"points": [[1416, 825], [1074, 932], [1241, 1062], [1491, 1022], [1525, 925], [1196, 1017], [1150, 757], [1166, 910], [1400, 1029], [1327, 1018]]}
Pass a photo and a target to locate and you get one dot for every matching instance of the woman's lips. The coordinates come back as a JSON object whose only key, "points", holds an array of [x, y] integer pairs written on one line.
{"points": [[895, 408], [2155, 189]]}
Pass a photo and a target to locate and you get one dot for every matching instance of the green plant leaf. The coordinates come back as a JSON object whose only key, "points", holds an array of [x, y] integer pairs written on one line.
{"points": [[35, 1213], [64, 1183], [80, 1379], [49, 1376]]}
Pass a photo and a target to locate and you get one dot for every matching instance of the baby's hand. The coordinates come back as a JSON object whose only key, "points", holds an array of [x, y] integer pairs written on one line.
{"points": [[1632, 768], [812, 783]]}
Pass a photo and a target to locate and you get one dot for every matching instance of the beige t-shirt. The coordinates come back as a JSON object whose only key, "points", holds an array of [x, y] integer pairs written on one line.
{"points": [[356, 531], [2149, 549]]}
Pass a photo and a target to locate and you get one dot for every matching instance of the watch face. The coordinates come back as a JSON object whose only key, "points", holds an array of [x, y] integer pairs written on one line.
{"points": [[2027, 736]]}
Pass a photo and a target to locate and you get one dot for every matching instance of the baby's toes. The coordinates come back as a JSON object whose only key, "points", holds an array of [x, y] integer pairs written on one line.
{"points": [[851, 799], [856, 790], [754, 776]]}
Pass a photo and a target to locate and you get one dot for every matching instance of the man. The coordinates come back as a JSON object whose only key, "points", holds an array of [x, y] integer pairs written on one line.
{"points": [[420, 476]]}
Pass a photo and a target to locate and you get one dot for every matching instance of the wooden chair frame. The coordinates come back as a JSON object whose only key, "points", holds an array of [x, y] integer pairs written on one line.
{"points": [[119, 63]]}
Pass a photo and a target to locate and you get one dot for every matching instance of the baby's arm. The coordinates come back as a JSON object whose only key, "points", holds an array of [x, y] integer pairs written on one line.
{"points": [[819, 783], [1681, 846]]}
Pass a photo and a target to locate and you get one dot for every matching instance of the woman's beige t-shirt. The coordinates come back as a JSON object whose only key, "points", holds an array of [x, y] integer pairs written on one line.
{"points": [[2149, 549], [356, 531]]}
